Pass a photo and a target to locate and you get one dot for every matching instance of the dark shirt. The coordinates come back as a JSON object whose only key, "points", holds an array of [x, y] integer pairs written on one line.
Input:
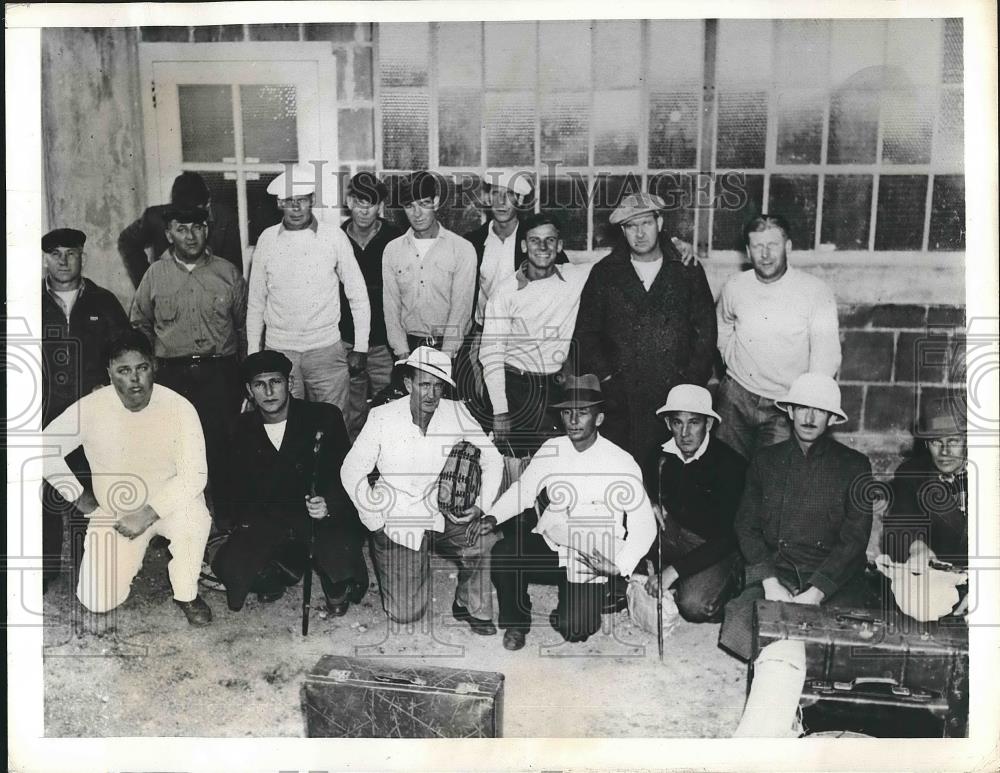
{"points": [[73, 348], [701, 496], [369, 259], [806, 517]]}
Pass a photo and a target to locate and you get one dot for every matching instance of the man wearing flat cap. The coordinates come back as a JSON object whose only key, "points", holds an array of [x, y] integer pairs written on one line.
{"points": [[285, 492], [646, 323], [192, 306], [299, 268], [587, 489], [78, 318], [805, 518], [409, 443], [369, 235]]}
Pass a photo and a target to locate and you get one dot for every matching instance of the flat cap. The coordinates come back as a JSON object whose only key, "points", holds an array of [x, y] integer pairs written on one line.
{"points": [[366, 186], [184, 214], [636, 204], [63, 237], [417, 186], [265, 361]]}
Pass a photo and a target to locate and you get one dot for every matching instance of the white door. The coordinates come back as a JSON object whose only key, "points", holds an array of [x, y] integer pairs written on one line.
{"points": [[236, 113]]}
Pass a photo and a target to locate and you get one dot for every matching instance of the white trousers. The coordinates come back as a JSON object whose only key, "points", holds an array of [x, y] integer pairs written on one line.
{"points": [[111, 561]]}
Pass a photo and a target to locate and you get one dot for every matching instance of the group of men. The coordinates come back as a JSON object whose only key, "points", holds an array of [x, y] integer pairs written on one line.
{"points": [[556, 417]]}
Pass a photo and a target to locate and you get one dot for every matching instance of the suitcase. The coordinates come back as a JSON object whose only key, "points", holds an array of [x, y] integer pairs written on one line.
{"points": [[871, 661], [354, 698]]}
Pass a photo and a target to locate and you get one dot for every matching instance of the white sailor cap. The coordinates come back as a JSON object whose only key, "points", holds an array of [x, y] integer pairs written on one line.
{"points": [[302, 181]]}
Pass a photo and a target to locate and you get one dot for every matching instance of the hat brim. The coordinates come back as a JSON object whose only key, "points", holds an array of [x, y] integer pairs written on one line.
{"points": [[580, 398], [427, 368], [836, 416], [710, 414], [625, 218]]}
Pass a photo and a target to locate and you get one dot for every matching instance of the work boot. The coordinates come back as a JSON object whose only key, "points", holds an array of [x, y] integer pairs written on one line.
{"points": [[196, 611], [477, 624], [513, 639]]}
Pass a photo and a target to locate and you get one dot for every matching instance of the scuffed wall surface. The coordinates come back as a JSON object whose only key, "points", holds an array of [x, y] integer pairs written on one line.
{"points": [[92, 142]]}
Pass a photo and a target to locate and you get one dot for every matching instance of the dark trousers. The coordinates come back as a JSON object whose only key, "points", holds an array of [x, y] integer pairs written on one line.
{"points": [[529, 396], [55, 512], [630, 420], [214, 388], [522, 557]]}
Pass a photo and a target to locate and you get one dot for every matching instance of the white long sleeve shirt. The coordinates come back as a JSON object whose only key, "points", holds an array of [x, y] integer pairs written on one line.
{"points": [[404, 498], [295, 289], [498, 265], [590, 495], [155, 456], [769, 334]]}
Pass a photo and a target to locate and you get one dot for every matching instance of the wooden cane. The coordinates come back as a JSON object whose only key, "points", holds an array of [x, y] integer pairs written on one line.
{"points": [[659, 560], [307, 581]]}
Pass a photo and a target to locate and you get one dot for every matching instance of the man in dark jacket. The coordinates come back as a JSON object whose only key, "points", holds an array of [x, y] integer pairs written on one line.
{"points": [[285, 496], [695, 484], [145, 240], [646, 323], [804, 521], [78, 318]]}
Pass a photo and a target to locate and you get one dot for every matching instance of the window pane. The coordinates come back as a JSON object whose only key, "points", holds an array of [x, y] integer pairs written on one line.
{"points": [[742, 130], [566, 198], [270, 125], [952, 70], [404, 128], [510, 129], [616, 127], [565, 127], [803, 52], [948, 213], [510, 55], [847, 206], [459, 212], [853, 127], [206, 122], [800, 128], [564, 52], [608, 192], [900, 216], [680, 42], [914, 50], [855, 46], [460, 59], [673, 130], [404, 53], [617, 54], [459, 122], [908, 127], [795, 196], [744, 51], [950, 147], [737, 198], [262, 207], [679, 194]]}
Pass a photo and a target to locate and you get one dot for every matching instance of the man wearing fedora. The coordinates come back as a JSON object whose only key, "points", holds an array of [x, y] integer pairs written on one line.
{"points": [[695, 483], [392, 474], [369, 234], [299, 267], [804, 522], [587, 488], [646, 323]]}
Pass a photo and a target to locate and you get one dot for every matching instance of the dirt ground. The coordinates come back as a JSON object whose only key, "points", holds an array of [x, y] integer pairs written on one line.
{"points": [[143, 671]]}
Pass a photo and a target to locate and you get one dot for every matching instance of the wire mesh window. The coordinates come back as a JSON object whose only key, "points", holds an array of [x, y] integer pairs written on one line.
{"points": [[851, 128]]}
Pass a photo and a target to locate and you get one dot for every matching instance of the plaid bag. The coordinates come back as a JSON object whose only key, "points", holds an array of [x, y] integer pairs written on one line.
{"points": [[460, 479]]}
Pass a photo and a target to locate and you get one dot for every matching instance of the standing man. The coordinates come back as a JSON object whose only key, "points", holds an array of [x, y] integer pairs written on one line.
{"points": [[147, 452], [298, 269], [288, 498], [804, 523], [775, 323], [646, 324], [408, 442], [192, 306], [369, 235], [145, 241], [78, 318], [700, 480], [528, 327]]}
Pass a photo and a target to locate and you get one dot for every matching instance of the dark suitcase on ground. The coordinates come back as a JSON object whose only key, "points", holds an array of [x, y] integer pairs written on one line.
{"points": [[875, 662], [353, 698], [875, 707]]}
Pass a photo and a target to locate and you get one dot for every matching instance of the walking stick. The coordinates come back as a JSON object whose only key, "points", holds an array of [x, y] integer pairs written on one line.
{"points": [[659, 560], [307, 581]]}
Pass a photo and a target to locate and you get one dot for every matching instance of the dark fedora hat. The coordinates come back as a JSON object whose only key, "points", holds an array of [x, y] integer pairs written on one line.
{"points": [[941, 417], [581, 392]]}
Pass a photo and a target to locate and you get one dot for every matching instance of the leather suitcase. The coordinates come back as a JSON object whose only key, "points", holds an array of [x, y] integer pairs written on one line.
{"points": [[885, 661], [875, 707], [354, 698]]}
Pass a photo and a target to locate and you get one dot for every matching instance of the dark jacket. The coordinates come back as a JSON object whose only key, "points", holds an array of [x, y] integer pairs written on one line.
{"points": [[702, 497], [928, 506], [806, 518], [149, 231], [73, 349], [370, 260]]}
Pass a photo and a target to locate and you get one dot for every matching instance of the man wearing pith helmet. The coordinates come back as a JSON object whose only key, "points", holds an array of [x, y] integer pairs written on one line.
{"points": [[804, 521]]}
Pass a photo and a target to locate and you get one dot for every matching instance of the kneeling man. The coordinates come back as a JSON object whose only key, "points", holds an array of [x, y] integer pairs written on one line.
{"points": [[803, 523], [286, 497], [146, 449]]}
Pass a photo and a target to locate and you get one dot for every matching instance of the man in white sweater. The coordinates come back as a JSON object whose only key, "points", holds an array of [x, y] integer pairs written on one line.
{"points": [[294, 304], [775, 323], [147, 453]]}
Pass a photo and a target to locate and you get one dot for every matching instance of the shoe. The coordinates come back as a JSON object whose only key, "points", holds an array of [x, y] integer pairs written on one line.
{"points": [[513, 639], [478, 625], [337, 607], [197, 612], [270, 596], [357, 592], [569, 636], [615, 601]]}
